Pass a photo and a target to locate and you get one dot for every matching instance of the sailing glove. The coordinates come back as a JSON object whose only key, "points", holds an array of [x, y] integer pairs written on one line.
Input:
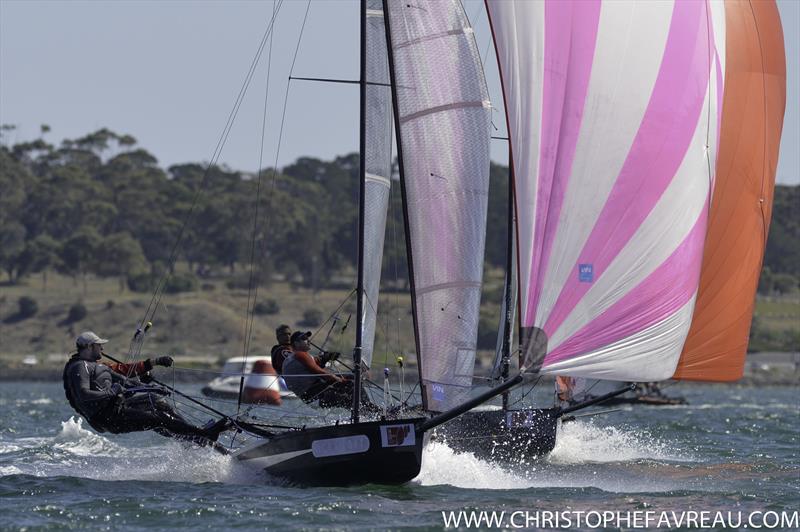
{"points": [[165, 361], [116, 389]]}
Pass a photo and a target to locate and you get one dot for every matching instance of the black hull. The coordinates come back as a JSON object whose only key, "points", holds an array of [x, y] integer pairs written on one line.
{"points": [[381, 452], [499, 436]]}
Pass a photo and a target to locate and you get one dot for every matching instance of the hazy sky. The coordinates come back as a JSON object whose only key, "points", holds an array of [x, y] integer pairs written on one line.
{"points": [[168, 72]]}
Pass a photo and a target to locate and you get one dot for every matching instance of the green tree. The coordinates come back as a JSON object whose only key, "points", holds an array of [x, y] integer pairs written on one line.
{"points": [[784, 283], [121, 256], [81, 254], [766, 281], [12, 244], [783, 246], [39, 254]]}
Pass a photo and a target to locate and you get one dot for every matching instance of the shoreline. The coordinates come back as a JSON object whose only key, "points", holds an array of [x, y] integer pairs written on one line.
{"points": [[761, 369]]}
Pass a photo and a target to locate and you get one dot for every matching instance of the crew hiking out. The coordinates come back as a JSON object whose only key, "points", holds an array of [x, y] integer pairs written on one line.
{"points": [[113, 399], [305, 376]]}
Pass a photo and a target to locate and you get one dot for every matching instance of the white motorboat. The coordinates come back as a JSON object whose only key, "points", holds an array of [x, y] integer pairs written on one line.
{"points": [[226, 385]]}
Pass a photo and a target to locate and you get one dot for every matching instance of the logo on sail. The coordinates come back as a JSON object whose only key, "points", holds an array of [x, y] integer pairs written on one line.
{"points": [[585, 273], [437, 391], [397, 435]]}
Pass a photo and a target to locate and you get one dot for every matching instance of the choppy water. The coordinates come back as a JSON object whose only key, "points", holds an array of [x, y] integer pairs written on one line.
{"points": [[731, 449]]}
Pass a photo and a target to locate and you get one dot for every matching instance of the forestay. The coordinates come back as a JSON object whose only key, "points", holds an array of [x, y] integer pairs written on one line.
{"points": [[378, 165], [444, 130], [741, 207], [612, 115]]}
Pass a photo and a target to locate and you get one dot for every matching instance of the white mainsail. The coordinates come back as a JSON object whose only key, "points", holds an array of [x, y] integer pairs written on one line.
{"points": [[444, 131], [378, 166]]}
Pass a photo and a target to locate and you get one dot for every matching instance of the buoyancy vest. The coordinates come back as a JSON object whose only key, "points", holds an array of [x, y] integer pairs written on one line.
{"points": [[89, 416], [278, 356], [299, 379], [67, 390], [97, 398]]}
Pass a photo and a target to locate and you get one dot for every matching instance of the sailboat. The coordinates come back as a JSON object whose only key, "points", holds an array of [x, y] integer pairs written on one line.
{"points": [[615, 116], [421, 73], [422, 67], [740, 208], [611, 181]]}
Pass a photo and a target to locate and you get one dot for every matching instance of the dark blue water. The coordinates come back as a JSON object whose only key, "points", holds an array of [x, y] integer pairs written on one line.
{"points": [[731, 449]]}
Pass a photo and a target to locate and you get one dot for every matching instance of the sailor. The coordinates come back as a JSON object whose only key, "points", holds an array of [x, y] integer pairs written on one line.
{"points": [[111, 402], [283, 349], [564, 385], [142, 368], [308, 380]]}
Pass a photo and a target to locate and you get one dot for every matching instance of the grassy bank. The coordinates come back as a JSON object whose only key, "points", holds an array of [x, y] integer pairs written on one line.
{"points": [[207, 324], [201, 328]]}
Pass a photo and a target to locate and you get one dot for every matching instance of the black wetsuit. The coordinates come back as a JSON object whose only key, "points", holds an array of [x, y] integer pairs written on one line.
{"points": [[87, 385]]}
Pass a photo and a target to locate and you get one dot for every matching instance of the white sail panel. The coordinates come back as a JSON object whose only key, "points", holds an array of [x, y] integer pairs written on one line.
{"points": [[615, 361], [378, 166], [444, 119], [612, 232]]}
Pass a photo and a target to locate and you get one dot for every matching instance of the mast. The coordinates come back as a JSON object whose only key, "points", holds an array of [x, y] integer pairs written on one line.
{"points": [[362, 171], [401, 169], [508, 324]]}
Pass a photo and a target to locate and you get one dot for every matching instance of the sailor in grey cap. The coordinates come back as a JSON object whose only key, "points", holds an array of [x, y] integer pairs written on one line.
{"points": [[90, 346], [112, 402]]}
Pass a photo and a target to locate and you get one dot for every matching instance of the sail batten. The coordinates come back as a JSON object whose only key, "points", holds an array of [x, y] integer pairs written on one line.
{"points": [[441, 109]]}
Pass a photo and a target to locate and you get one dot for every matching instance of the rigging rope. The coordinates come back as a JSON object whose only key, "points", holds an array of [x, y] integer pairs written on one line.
{"points": [[280, 139], [526, 394], [255, 275], [152, 307]]}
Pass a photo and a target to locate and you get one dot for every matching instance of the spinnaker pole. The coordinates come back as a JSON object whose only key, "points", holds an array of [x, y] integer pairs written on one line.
{"points": [[362, 175]]}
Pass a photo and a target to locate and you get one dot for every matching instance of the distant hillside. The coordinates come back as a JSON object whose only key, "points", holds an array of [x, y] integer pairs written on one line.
{"points": [[100, 205], [94, 222]]}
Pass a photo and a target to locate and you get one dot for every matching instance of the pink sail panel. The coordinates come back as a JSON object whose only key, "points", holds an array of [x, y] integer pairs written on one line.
{"points": [[612, 116], [570, 53]]}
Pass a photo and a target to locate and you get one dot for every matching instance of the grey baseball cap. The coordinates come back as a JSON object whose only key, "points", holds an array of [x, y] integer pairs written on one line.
{"points": [[89, 338]]}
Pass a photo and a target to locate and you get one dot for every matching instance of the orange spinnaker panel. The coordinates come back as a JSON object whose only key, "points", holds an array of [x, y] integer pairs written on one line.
{"points": [[741, 207]]}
